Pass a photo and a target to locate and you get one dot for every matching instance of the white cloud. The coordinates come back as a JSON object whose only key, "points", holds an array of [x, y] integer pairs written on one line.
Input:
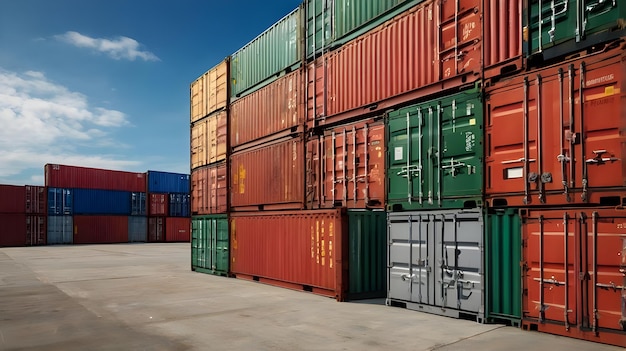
{"points": [[44, 122], [118, 48]]}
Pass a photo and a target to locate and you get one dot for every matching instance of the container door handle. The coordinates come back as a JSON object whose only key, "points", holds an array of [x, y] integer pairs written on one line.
{"points": [[599, 160], [453, 167], [599, 5]]}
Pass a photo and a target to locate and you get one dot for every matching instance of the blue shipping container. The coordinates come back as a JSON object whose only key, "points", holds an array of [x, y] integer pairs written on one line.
{"points": [[60, 202], [164, 182], [101, 202], [138, 204], [180, 205]]}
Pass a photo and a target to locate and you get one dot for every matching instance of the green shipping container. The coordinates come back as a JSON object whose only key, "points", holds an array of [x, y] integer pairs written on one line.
{"points": [[503, 276], [565, 26], [332, 23], [367, 254], [435, 154], [210, 244], [273, 52]]}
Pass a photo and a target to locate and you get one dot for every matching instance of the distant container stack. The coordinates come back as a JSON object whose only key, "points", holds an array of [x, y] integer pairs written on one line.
{"points": [[169, 207]]}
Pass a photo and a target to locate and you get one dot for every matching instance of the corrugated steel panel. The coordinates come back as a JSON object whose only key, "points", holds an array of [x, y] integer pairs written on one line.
{"points": [[208, 140], [269, 177], [62, 176], [274, 108], [177, 229], [137, 229], [13, 229], [12, 199], [36, 230], [138, 204], [179, 205], [300, 250], [436, 261], [156, 229], [209, 187], [105, 202], [275, 50], [60, 201], [166, 182], [210, 244], [435, 153], [209, 92], [503, 275], [574, 273], [545, 147], [502, 52], [100, 229], [36, 199], [346, 166], [60, 230], [367, 254], [158, 205], [418, 53]]}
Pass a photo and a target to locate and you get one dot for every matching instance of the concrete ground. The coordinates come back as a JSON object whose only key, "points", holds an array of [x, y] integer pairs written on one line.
{"points": [[144, 297]]}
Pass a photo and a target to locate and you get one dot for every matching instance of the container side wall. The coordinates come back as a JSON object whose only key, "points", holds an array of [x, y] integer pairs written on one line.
{"points": [[177, 229], [13, 229], [93, 201], [12, 199], [165, 182], [100, 229], [62, 176]]}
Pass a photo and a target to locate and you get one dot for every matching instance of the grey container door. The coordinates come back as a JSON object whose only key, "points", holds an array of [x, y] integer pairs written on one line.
{"points": [[60, 230], [137, 229]]}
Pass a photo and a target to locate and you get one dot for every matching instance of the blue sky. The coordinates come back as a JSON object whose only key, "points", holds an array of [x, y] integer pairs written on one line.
{"points": [[105, 83]]}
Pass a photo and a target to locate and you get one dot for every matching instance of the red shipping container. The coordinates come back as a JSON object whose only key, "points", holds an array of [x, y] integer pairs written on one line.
{"points": [[209, 190], [346, 166], [268, 177], [62, 176], [12, 199], [177, 229], [301, 250], [427, 49], [156, 229], [36, 230], [574, 281], [13, 229], [100, 229], [502, 50], [277, 107], [158, 204], [556, 136], [36, 197]]}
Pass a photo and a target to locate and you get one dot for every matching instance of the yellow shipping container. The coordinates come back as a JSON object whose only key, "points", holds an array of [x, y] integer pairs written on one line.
{"points": [[209, 93], [208, 140]]}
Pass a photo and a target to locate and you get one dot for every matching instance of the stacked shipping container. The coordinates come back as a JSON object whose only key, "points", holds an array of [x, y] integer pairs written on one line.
{"points": [[169, 196], [22, 215]]}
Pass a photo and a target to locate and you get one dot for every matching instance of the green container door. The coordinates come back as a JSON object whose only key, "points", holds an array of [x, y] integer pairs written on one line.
{"points": [[436, 154], [210, 244], [367, 254], [503, 254]]}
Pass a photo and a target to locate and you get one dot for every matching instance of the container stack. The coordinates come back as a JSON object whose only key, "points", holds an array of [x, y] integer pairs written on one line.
{"points": [[169, 207], [22, 215]]}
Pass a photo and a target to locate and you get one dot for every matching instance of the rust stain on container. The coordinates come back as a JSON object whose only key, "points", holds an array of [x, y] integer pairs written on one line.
{"points": [[301, 250], [346, 166], [209, 186], [208, 140], [209, 92], [502, 52], [100, 229]]}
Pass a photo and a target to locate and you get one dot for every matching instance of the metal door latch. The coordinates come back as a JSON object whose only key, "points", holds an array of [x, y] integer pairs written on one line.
{"points": [[453, 167], [409, 171], [599, 160]]}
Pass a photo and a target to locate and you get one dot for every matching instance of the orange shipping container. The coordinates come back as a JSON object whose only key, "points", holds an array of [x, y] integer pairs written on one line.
{"points": [[502, 51], [209, 186], [209, 92], [208, 140]]}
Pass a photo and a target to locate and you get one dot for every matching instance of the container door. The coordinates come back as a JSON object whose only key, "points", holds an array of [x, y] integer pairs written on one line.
{"points": [[222, 243], [367, 253], [551, 22], [195, 242], [35, 230], [461, 33], [602, 15], [319, 24]]}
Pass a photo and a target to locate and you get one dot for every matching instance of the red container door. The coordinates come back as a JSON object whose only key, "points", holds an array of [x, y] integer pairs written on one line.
{"points": [[158, 204], [36, 230], [177, 229], [156, 229], [36, 199], [574, 277], [100, 229], [13, 229], [209, 190]]}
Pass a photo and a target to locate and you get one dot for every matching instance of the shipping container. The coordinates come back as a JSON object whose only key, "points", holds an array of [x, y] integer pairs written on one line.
{"points": [[503, 276], [177, 229], [209, 190], [100, 229], [435, 153], [62, 176], [36, 229], [156, 229], [12, 199], [275, 108], [210, 244], [367, 254], [436, 262], [209, 93], [268, 177], [159, 204], [35, 199], [554, 29], [574, 262], [137, 229], [179, 205], [138, 204], [60, 230], [502, 37], [208, 140], [276, 50], [547, 145], [425, 50], [60, 202], [346, 166], [302, 250], [13, 229], [166, 182], [104, 202]]}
